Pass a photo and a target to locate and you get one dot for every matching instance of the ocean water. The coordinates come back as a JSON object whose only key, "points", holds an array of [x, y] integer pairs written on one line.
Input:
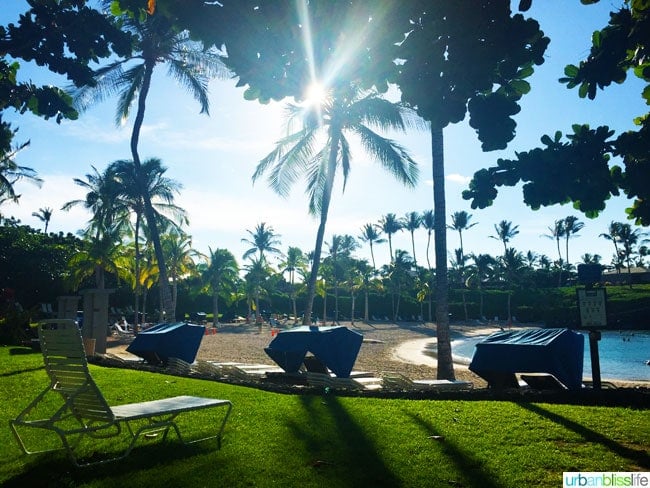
{"points": [[623, 354]]}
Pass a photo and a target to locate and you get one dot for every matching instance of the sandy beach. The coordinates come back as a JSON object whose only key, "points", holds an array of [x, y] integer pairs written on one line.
{"points": [[408, 348]]}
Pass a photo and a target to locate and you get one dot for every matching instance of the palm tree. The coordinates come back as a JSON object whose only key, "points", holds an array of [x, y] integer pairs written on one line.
{"points": [[221, 276], [399, 276], [613, 234], [100, 254], [346, 110], [257, 275], [155, 41], [504, 233], [11, 172], [180, 255], [390, 224], [571, 227], [628, 238], [161, 190], [511, 265], [371, 234], [340, 249], [428, 222], [412, 222], [294, 261], [588, 258], [460, 222], [109, 213], [481, 271], [263, 239], [44, 215], [556, 233]]}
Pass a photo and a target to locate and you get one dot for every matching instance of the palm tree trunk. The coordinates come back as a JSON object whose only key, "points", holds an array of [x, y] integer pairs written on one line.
{"points": [[366, 317], [136, 298], [372, 255], [163, 283], [353, 299], [320, 235], [445, 362], [215, 308]]}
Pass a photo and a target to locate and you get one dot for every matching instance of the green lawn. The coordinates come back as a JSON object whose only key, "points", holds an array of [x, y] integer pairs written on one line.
{"points": [[329, 441]]}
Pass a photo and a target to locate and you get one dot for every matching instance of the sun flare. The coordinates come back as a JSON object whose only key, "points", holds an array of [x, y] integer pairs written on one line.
{"points": [[316, 94]]}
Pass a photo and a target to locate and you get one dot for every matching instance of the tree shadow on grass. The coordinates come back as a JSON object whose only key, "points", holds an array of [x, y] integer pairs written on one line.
{"points": [[339, 446], [640, 457], [471, 467]]}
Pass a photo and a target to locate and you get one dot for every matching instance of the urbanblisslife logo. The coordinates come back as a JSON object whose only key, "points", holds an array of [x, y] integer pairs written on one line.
{"points": [[606, 479]]}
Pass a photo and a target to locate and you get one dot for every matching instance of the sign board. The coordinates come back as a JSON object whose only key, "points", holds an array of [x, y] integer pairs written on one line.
{"points": [[591, 303]]}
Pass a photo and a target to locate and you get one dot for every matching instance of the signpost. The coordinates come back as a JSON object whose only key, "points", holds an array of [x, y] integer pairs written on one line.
{"points": [[592, 304]]}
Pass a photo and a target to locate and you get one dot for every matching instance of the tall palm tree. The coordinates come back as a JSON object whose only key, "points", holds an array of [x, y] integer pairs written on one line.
{"points": [[161, 191], [556, 232], [460, 222], [412, 222], [399, 277], [505, 231], [571, 227], [109, 213], [180, 259], [340, 251], [44, 215], [390, 224], [371, 234], [263, 239], [294, 261], [346, 110], [155, 41], [256, 278], [428, 222], [480, 272], [628, 238], [511, 265], [613, 234], [221, 276]]}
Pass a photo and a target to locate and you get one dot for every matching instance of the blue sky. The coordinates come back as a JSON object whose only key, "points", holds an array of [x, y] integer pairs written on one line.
{"points": [[214, 158]]}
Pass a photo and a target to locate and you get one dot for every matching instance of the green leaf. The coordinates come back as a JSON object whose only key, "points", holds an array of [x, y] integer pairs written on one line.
{"points": [[571, 70], [546, 140], [583, 90], [116, 10], [558, 136], [646, 94], [596, 38], [251, 94], [520, 86]]}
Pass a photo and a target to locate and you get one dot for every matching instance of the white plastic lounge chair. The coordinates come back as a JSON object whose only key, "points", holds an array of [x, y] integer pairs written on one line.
{"points": [[398, 381], [323, 380], [81, 412], [121, 331]]}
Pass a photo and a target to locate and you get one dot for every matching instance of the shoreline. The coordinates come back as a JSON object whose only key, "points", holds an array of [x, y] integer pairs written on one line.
{"points": [[406, 347], [424, 352]]}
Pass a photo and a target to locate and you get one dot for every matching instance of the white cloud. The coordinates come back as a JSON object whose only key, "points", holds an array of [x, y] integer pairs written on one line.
{"points": [[457, 178]]}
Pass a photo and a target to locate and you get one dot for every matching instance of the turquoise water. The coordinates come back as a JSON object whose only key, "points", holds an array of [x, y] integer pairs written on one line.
{"points": [[623, 354]]}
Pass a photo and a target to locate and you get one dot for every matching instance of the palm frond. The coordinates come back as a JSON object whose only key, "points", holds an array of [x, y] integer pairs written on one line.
{"points": [[193, 81], [291, 165], [107, 83], [391, 155], [317, 180], [296, 144], [132, 79], [344, 157]]}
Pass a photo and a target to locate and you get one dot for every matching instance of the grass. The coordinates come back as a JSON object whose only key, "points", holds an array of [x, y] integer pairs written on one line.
{"points": [[316, 441]]}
